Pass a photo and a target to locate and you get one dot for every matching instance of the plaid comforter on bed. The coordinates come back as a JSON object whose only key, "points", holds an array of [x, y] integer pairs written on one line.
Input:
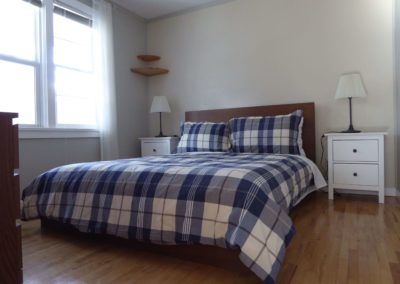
{"points": [[221, 199]]}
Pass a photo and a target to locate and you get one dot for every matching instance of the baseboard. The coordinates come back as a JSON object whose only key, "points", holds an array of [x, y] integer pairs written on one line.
{"points": [[389, 191]]}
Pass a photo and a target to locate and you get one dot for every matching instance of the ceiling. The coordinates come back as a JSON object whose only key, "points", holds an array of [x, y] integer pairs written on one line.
{"points": [[151, 9]]}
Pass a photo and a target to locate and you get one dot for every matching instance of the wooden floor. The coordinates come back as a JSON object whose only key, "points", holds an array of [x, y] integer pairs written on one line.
{"points": [[351, 240]]}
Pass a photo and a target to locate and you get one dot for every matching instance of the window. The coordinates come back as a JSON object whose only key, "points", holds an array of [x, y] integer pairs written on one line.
{"points": [[46, 63], [19, 60], [74, 76]]}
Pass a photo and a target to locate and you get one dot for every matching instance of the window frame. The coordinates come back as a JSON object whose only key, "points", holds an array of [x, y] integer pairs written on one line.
{"points": [[46, 118]]}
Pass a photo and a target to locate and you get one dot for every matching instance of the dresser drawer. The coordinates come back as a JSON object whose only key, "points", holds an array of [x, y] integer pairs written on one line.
{"points": [[155, 148], [356, 150], [356, 174]]}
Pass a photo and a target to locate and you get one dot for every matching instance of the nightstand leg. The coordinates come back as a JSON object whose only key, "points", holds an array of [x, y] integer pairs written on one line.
{"points": [[330, 192], [381, 196]]}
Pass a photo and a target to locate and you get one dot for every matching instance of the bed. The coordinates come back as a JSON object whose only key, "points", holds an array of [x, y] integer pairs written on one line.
{"points": [[232, 206]]}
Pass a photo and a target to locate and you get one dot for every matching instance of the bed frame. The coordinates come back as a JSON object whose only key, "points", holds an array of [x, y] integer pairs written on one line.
{"points": [[225, 258]]}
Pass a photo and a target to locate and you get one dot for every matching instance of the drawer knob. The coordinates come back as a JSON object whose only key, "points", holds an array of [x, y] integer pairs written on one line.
{"points": [[154, 150], [355, 174], [354, 150]]}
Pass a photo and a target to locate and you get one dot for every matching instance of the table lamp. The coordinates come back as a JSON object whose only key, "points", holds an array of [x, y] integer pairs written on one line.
{"points": [[350, 86], [160, 105]]}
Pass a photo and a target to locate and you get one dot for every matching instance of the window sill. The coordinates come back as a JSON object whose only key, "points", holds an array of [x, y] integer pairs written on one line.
{"points": [[54, 133]]}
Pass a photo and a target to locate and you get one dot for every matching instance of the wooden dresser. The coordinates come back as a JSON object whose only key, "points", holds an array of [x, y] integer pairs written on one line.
{"points": [[10, 229]]}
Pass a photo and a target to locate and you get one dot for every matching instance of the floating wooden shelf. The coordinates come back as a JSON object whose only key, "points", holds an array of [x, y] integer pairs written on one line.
{"points": [[149, 58], [149, 71]]}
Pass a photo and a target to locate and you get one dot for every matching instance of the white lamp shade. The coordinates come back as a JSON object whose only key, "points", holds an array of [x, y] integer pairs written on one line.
{"points": [[350, 86], [160, 104]]}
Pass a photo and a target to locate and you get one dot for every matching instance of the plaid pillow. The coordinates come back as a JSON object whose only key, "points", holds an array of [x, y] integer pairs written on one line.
{"points": [[204, 137], [270, 134]]}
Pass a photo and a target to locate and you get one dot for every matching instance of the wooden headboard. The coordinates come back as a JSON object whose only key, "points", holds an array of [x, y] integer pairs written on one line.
{"points": [[220, 115]]}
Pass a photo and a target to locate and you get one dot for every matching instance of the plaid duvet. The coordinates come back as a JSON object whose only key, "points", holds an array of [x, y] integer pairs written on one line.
{"points": [[221, 199]]}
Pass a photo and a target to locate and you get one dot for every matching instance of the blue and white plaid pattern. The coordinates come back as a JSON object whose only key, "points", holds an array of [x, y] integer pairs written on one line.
{"points": [[221, 199], [270, 134], [204, 137]]}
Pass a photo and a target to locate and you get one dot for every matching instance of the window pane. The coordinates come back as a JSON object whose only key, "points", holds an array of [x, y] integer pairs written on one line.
{"points": [[18, 29], [77, 111], [17, 91], [72, 44], [76, 102], [74, 83]]}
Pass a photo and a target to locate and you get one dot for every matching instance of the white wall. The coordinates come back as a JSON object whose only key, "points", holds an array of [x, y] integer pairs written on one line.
{"points": [[131, 89], [396, 24], [39, 155], [262, 52]]}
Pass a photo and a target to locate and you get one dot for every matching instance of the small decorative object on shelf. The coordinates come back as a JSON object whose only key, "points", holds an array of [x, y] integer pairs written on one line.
{"points": [[149, 71]]}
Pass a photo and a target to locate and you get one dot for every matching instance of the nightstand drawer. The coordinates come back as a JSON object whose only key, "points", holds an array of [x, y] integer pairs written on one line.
{"points": [[355, 150], [155, 148], [356, 174]]}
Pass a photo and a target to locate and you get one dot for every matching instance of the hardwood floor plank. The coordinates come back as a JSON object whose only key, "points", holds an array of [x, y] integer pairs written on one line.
{"points": [[395, 269], [287, 272]]}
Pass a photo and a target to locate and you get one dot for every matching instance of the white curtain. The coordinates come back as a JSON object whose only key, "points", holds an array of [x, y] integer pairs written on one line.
{"points": [[105, 84]]}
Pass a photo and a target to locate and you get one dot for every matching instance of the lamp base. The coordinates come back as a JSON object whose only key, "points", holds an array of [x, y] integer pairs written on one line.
{"points": [[351, 130], [161, 134]]}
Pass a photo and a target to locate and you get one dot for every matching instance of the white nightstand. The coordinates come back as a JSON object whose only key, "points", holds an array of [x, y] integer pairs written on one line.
{"points": [[157, 146], [356, 162]]}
